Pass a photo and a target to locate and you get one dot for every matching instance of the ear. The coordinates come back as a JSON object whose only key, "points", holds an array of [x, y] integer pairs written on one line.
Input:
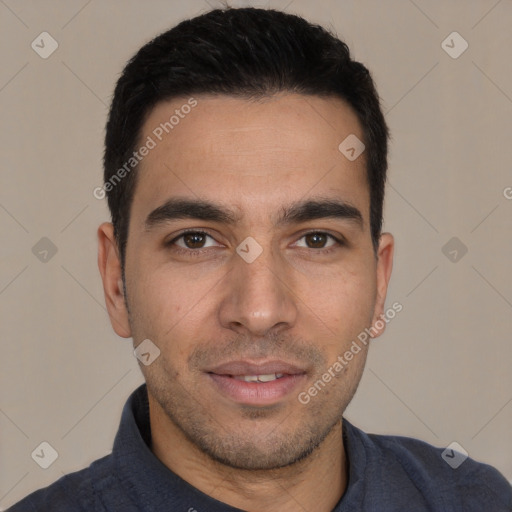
{"points": [[384, 267], [109, 264]]}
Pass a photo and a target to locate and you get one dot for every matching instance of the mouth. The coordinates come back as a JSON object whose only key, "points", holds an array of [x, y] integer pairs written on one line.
{"points": [[256, 383], [269, 377]]}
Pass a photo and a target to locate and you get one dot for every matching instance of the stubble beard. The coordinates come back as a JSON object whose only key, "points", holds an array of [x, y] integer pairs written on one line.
{"points": [[268, 446]]}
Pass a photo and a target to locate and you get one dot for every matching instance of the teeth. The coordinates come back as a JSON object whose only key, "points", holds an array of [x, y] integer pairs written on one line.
{"points": [[248, 378], [267, 378], [259, 378]]}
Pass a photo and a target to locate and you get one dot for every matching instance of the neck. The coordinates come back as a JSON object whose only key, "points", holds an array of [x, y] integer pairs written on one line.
{"points": [[314, 483]]}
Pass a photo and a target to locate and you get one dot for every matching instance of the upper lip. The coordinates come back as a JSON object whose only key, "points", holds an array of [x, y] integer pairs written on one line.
{"points": [[236, 368]]}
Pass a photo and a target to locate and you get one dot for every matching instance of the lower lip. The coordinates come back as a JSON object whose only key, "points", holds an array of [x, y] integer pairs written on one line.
{"points": [[257, 393]]}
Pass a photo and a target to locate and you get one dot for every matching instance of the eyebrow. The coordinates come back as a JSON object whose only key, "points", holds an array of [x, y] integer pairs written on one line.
{"points": [[300, 211]]}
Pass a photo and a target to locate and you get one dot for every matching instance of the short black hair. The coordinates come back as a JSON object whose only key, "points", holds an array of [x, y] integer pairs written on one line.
{"points": [[242, 52]]}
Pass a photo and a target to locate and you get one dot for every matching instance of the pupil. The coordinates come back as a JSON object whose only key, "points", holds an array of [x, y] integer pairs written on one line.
{"points": [[194, 240], [317, 239]]}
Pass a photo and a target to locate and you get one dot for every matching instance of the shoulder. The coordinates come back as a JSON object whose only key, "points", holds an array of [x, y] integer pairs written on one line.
{"points": [[446, 477], [76, 492]]}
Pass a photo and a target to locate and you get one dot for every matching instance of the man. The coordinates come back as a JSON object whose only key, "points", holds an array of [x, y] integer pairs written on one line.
{"points": [[245, 166]]}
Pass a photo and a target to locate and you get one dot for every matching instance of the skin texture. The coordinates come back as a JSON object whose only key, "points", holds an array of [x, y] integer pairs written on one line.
{"points": [[303, 300]]}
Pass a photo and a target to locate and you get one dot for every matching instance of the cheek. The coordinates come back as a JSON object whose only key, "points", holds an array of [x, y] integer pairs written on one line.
{"points": [[157, 302], [174, 311], [343, 299]]}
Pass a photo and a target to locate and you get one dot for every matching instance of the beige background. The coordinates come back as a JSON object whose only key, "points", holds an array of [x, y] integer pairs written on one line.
{"points": [[440, 373]]}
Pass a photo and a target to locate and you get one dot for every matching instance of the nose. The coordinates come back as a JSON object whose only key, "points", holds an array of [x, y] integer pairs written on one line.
{"points": [[258, 297]]}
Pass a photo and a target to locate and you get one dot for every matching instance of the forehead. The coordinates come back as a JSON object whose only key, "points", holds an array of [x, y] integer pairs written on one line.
{"points": [[247, 152]]}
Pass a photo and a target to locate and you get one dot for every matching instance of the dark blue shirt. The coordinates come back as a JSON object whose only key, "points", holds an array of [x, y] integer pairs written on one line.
{"points": [[386, 473]]}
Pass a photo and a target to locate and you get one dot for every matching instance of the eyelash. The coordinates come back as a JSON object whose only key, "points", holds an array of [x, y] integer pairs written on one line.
{"points": [[198, 252]]}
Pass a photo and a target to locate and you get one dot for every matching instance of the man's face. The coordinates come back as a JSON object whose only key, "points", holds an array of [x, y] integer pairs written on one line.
{"points": [[222, 313]]}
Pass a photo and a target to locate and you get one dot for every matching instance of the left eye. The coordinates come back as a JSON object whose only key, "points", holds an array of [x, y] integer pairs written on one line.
{"points": [[318, 240]]}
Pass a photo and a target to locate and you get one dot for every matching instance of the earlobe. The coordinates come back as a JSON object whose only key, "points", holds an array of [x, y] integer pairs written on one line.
{"points": [[384, 268], [109, 265]]}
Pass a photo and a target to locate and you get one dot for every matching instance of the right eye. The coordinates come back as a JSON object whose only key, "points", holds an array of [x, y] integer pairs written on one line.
{"points": [[192, 241]]}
